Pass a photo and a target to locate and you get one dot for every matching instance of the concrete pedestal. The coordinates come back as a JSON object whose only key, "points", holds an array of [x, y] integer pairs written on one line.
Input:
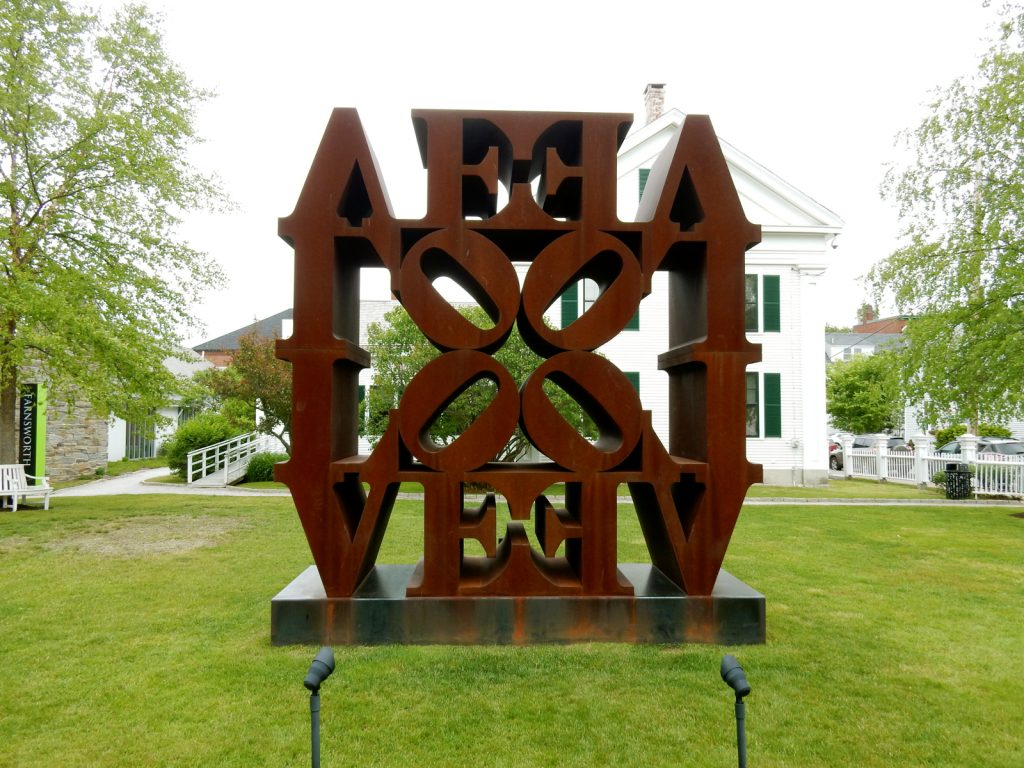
{"points": [[380, 613]]}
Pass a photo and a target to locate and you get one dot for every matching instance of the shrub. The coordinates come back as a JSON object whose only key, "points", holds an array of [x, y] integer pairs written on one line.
{"points": [[939, 478], [993, 430], [205, 429], [949, 433], [261, 466]]}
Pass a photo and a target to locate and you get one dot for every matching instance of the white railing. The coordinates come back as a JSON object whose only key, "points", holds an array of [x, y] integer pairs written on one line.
{"points": [[1004, 476], [863, 463], [992, 474], [226, 461]]}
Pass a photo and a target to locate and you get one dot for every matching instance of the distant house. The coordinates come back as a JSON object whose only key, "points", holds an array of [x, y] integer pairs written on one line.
{"points": [[78, 442], [846, 346], [872, 324], [127, 440], [870, 337], [220, 351]]}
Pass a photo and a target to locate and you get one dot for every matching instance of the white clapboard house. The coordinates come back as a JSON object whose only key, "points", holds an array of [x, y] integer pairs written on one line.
{"points": [[785, 312]]}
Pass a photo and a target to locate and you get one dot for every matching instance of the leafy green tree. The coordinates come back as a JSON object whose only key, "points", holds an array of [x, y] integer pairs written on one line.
{"points": [[945, 435], [960, 275], [259, 380], [399, 349], [95, 128], [863, 394], [866, 312]]}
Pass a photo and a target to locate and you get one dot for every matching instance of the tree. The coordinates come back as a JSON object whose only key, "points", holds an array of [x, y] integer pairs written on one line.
{"points": [[399, 349], [866, 312], [257, 378], [95, 127], [863, 394], [960, 274]]}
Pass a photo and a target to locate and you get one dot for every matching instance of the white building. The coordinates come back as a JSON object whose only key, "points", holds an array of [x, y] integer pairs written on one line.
{"points": [[786, 390], [141, 441]]}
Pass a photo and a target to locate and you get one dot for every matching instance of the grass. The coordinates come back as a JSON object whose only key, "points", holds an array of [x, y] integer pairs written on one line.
{"points": [[124, 466], [134, 631], [847, 489], [836, 489], [171, 479]]}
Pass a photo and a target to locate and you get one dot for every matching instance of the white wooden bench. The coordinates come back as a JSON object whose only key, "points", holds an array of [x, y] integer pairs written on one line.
{"points": [[14, 485]]}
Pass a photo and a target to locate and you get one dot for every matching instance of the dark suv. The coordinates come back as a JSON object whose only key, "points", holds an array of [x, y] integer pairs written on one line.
{"points": [[1001, 446]]}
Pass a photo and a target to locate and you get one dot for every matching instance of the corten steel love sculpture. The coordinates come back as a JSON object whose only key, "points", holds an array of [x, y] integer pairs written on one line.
{"points": [[690, 224]]}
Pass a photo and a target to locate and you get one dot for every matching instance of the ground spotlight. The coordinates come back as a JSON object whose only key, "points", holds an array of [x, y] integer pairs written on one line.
{"points": [[319, 670], [734, 676], [736, 679]]}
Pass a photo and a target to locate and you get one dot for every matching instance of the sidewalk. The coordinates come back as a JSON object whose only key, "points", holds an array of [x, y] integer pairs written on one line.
{"points": [[136, 483]]}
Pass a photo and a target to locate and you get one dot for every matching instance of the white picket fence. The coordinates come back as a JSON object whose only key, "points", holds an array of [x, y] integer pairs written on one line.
{"points": [[225, 462], [993, 474]]}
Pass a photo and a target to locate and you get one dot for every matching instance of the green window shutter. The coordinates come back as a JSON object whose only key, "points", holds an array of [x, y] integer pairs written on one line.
{"points": [[634, 379], [772, 405], [634, 321], [771, 303], [570, 304], [644, 173], [750, 299], [753, 407], [362, 392]]}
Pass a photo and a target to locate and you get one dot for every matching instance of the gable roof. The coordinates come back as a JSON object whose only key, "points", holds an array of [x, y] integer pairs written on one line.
{"points": [[267, 328], [768, 199]]}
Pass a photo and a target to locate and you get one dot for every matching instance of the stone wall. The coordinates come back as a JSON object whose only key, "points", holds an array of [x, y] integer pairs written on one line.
{"points": [[76, 441]]}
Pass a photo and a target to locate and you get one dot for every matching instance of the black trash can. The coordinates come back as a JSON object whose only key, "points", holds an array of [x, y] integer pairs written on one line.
{"points": [[958, 481]]}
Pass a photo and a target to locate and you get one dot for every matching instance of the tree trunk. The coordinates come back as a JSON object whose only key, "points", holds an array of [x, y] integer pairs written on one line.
{"points": [[8, 417]]}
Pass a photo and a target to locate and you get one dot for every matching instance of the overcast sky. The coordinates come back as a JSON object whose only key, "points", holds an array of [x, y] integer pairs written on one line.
{"points": [[815, 91]]}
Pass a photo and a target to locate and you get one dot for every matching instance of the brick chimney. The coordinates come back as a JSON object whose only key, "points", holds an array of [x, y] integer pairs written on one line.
{"points": [[654, 100]]}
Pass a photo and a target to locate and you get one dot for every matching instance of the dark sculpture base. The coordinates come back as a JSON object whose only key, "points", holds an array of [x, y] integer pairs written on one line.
{"points": [[381, 614]]}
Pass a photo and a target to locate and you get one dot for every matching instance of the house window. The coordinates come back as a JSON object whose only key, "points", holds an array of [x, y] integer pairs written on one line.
{"points": [[753, 407], [644, 173], [634, 379], [765, 315], [187, 413], [139, 440], [571, 308], [751, 304], [764, 405]]}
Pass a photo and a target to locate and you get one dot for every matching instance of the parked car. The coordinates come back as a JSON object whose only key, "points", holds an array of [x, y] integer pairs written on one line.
{"points": [[995, 447], [835, 449], [835, 455]]}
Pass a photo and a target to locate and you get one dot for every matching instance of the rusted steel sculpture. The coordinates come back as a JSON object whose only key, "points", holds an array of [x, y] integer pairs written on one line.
{"points": [[690, 224]]}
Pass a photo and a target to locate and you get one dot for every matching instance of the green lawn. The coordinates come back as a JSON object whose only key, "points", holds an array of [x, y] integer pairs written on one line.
{"points": [[847, 489], [135, 631], [115, 468]]}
